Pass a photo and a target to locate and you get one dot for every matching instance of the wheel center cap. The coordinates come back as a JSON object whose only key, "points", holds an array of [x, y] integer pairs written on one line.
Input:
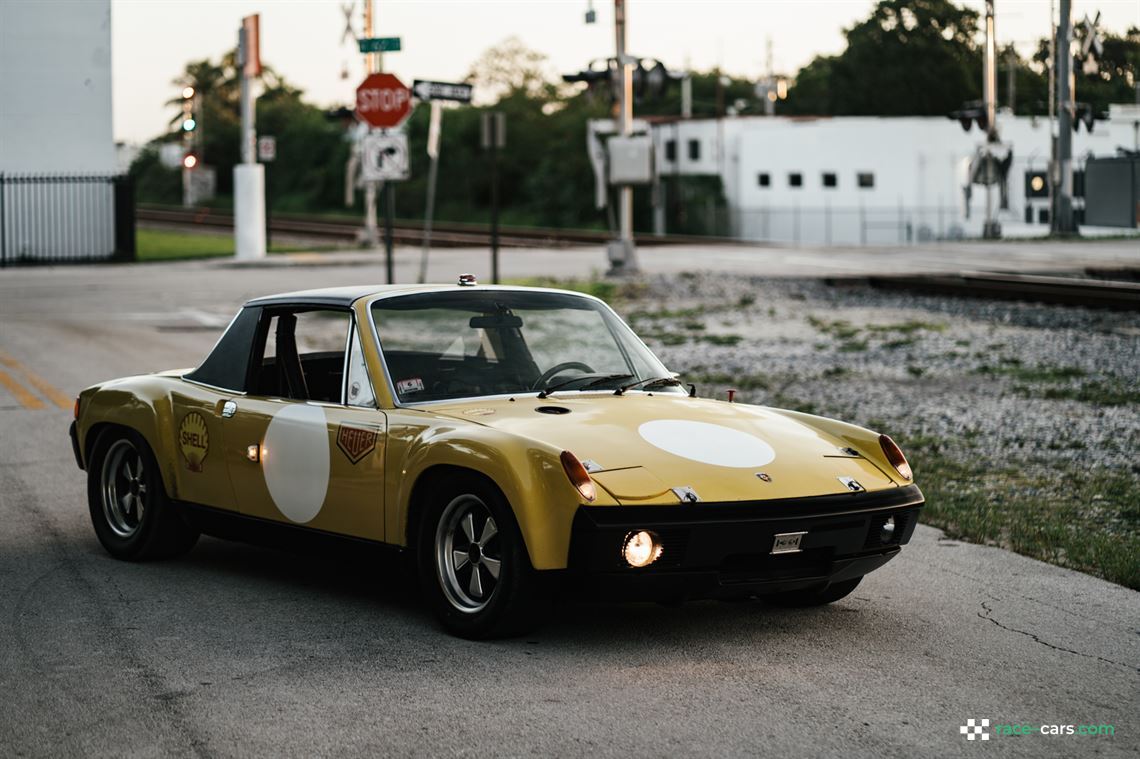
{"points": [[134, 487], [474, 554]]}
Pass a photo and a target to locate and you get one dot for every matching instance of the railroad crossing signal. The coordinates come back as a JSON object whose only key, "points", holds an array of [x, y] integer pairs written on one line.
{"points": [[383, 101]]}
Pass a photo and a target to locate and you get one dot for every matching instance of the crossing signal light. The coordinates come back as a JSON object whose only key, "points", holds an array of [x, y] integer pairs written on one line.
{"points": [[1083, 114], [189, 125], [190, 160], [973, 112], [650, 77]]}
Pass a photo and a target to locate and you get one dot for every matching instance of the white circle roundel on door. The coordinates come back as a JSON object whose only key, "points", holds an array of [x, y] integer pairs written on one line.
{"points": [[707, 443], [295, 459]]}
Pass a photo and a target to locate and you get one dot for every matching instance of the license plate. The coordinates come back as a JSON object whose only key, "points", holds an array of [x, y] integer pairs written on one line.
{"points": [[787, 542]]}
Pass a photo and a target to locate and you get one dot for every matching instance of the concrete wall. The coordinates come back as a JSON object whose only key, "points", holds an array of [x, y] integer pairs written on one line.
{"points": [[55, 86]]}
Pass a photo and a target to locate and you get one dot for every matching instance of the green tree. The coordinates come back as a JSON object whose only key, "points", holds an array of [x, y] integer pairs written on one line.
{"points": [[909, 58]]}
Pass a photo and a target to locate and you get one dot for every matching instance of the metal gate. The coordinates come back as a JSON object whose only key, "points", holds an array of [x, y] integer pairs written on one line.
{"points": [[51, 219]]}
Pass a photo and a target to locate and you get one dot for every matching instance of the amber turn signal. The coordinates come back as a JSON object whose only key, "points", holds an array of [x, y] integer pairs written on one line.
{"points": [[75, 409], [895, 456], [578, 475]]}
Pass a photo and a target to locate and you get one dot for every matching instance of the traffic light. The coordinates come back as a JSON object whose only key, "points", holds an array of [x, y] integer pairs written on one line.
{"points": [[190, 160], [189, 123]]}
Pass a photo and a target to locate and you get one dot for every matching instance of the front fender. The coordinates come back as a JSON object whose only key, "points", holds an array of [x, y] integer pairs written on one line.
{"points": [[528, 472]]}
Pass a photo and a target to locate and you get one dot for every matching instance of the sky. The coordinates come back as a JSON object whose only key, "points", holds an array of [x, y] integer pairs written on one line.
{"points": [[152, 40]]}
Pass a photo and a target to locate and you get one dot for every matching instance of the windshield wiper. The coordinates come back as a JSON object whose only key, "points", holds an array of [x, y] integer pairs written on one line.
{"points": [[598, 379], [650, 382]]}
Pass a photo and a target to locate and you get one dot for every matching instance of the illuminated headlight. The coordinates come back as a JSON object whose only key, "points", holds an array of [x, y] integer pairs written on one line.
{"points": [[641, 548], [888, 532]]}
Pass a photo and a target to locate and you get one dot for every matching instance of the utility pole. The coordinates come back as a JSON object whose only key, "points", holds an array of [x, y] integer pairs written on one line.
{"points": [[371, 236], [434, 128], [623, 254], [1062, 217], [249, 175], [991, 230]]}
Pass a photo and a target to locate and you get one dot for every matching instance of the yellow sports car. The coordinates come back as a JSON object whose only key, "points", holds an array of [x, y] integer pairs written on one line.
{"points": [[512, 440]]}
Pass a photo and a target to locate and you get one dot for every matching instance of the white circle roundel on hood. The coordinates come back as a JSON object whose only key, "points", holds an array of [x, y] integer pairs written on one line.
{"points": [[707, 443]]}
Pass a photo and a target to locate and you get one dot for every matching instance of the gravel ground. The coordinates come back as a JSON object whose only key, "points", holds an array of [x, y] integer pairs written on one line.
{"points": [[969, 370], [1047, 395]]}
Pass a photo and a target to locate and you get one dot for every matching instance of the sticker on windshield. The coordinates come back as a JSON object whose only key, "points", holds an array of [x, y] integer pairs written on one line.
{"points": [[410, 385]]}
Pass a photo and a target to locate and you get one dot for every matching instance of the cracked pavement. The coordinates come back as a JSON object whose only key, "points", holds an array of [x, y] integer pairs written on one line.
{"points": [[242, 651]]}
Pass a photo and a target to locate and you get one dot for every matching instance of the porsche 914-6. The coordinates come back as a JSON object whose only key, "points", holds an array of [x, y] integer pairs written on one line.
{"points": [[509, 440]]}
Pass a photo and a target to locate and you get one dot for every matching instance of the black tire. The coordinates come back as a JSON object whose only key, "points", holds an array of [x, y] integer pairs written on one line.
{"points": [[122, 474], [506, 605], [821, 597]]}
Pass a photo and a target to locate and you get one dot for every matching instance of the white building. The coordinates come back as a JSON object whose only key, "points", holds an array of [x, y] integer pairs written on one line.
{"points": [[55, 86], [59, 199], [871, 180]]}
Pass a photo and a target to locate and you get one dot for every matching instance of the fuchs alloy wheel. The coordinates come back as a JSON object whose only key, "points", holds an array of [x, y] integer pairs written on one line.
{"points": [[131, 514], [473, 565], [468, 560], [124, 488]]}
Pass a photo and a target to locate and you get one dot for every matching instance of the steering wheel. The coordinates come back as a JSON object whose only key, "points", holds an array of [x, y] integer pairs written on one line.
{"points": [[557, 369]]}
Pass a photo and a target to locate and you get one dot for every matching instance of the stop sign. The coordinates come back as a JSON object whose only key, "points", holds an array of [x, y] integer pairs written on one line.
{"points": [[383, 101]]}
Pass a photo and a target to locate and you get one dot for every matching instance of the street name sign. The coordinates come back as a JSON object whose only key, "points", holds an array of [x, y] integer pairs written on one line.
{"points": [[458, 92], [383, 101], [379, 44]]}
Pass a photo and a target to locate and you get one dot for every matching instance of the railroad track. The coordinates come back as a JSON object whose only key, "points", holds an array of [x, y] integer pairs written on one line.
{"points": [[446, 234], [1119, 292]]}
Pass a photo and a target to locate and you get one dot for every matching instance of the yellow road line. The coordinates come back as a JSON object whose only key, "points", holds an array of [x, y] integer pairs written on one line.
{"points": [[23, 396], [39, 383]]}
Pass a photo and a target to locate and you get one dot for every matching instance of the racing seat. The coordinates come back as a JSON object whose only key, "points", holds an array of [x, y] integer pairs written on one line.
{"points": [[291, 376]]}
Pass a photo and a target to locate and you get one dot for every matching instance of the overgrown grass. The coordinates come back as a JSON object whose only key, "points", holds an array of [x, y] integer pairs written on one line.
{"points": [[599, 288], [166, 245], [1083, 519]]}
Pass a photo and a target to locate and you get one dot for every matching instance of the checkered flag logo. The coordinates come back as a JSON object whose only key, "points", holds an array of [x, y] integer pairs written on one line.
{"points": [[974, 729]]}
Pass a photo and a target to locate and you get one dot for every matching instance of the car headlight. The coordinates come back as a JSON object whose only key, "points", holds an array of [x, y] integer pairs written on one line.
{"points": [[896, 458], [640, 548]]}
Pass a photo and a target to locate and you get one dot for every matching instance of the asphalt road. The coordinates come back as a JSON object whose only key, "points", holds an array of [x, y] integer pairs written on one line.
{"points": [[241, 651]]}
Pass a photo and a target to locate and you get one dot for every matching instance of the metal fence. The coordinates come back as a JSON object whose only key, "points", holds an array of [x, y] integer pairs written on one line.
{"points": [[829, 225], [46, 218]]}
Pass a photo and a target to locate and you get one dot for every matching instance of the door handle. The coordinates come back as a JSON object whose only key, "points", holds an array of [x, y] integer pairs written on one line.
{"points": [[229, 408]]}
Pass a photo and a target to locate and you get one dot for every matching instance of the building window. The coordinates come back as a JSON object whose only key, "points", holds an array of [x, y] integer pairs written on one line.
{"points": [[694, 150], [670, 150], [866, 180], [763, 179], [795, 179], [829, 179]]}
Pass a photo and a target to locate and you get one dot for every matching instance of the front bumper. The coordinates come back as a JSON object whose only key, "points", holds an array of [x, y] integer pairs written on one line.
{"points": [[724, 550]]}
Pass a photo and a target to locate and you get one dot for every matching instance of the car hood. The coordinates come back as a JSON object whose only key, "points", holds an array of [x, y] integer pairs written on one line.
{"points": [[648, 448]]}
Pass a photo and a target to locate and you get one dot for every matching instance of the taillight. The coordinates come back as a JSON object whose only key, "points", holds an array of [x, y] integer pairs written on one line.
{"points": [[75, 409], [895, 456], [578, 475]]}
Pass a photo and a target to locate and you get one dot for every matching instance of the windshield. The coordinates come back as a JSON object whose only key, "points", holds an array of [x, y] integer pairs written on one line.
{"points": [[466, 344]]}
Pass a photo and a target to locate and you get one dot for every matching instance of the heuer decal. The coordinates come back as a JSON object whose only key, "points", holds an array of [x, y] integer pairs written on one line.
{"points": [[193, 440], [355, 442]]}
